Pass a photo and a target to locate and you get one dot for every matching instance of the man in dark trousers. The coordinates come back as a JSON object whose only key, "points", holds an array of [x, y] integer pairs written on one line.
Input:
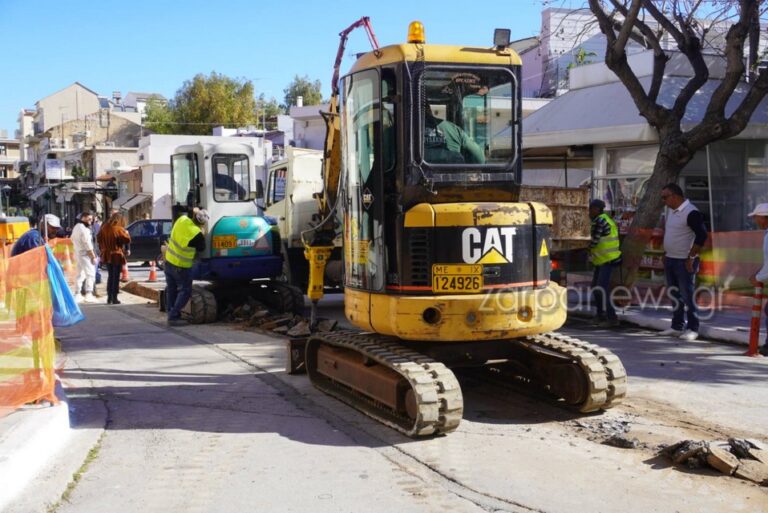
{"points": [[185, 241], [605, 255], [760, 216], [684, 236]]}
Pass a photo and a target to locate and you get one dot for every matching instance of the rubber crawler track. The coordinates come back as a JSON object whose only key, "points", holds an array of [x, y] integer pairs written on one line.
{"points": [[606, 376], [437, 392]]}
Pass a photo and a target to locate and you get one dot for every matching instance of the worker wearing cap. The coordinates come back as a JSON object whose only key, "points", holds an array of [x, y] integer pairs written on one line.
{"points": [[604, 254], [185, 241], [760, 216], [50, 225]]}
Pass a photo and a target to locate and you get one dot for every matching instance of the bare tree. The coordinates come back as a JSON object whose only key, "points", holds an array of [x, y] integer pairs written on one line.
{"points": [[689, 24]]}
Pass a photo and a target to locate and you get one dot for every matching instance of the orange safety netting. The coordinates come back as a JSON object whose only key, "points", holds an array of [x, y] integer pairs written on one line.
{"points": [[27, 343]]}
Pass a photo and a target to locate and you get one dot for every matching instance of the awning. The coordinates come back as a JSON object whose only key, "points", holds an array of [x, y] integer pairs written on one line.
{"points": [[38, 192], [65, 196], [136, 200], [125, 198]]}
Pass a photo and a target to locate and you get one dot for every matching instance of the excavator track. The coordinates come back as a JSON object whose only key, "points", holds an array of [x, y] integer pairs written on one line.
{"points": [[429, 399], [604, 379]]}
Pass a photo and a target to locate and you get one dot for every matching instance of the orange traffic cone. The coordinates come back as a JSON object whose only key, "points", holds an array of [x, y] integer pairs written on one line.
{"points": [[124, 276], [152, 272]]}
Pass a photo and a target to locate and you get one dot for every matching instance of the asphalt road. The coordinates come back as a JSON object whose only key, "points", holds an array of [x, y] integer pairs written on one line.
{"points": [[204, 418]]}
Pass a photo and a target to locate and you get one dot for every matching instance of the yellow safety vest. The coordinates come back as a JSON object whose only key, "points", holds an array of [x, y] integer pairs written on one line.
{"points": [[178, 252], [607, 250]]}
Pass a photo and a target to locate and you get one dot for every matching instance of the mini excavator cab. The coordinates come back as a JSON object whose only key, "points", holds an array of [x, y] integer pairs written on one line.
{"points": [[430, 165]]}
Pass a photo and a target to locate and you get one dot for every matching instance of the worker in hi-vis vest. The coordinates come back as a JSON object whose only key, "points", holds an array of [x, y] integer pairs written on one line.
{"points": [[185, 241], [605, 254]]}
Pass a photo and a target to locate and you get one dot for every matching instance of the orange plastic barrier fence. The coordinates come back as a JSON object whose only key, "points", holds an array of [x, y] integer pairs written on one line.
{"points": [[64, 252], [27, 344]]}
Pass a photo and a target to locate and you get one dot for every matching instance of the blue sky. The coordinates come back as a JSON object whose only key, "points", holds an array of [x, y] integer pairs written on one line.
{"points": [[153, 46]]}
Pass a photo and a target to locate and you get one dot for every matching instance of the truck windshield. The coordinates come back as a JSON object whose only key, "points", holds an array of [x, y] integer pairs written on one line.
{"points": [[467, 117], [184, 179]]}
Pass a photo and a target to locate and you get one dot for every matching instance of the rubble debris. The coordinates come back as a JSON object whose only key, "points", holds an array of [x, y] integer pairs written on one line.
{"points": [[622, 442], [326, 325], [300, 329], [737, 457]]}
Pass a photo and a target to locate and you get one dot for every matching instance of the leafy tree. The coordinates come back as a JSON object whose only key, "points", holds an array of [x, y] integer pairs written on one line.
{"points": [[206, 101], [269, 107], [303, 86], [690, 24], [159, 117]]}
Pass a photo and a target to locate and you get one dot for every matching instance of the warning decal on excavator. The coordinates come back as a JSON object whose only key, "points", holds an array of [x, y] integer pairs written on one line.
{"points": [[544, 251]]}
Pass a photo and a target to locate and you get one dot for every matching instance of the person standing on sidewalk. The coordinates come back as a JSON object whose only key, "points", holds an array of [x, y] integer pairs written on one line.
{"points": [[82, 242], [112, 239], [605, 255], [186, 239], [684, 236], [760, 216]]}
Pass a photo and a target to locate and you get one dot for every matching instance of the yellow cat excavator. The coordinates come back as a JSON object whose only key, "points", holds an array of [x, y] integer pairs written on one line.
{"points": [[443, 264]]}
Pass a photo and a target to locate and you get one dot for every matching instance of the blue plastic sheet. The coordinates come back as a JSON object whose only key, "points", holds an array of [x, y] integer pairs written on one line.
{"points": [[66, 312]]}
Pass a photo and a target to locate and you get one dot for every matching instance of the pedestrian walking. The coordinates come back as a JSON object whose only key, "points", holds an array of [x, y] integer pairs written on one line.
{"points": [[82, 242], [186, 239], [33, 238], [684, 236], [112, 239], [760, 216], [605, 255]]}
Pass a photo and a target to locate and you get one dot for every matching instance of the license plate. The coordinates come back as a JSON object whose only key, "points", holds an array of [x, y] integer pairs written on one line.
{"points": [[224, 241], [457, 278]]}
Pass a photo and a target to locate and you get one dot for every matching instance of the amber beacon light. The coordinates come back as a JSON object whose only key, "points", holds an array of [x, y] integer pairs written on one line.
{"points": [[416, 32]]}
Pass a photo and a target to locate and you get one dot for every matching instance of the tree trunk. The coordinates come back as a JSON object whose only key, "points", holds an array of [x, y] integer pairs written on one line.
{"points": [[669, 163]]}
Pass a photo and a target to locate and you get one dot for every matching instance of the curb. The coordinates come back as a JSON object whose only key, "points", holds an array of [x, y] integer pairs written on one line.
{"points": [[138, 288], [729, 335], [30, 438]]}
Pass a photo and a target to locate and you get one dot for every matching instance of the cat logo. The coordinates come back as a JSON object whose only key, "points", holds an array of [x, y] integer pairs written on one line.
{"points": [[492, 247]]}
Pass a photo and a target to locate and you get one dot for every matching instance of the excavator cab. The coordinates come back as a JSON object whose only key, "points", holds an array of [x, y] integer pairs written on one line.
{"points": [[436, 245]]}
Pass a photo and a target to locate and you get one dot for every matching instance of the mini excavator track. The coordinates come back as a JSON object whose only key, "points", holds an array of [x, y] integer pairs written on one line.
{"points": [[387, 381], [418, 396]]}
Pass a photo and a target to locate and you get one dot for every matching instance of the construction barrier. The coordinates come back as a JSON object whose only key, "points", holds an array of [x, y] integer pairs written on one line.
{"points": [[64, 252], [27, 344], [754, 328]]}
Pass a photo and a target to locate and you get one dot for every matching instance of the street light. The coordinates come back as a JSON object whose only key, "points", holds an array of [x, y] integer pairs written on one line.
{"points": [[7, 192]]}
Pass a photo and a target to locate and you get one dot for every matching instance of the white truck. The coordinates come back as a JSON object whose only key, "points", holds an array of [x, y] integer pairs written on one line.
{"points": [[290, 198]]}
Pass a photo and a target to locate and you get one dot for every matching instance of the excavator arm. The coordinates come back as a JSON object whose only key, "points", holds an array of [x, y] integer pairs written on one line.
{"points": [[319, 249]]}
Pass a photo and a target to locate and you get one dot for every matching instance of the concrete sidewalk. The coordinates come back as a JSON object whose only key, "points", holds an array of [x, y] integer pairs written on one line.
{"points": [[727, 324]]}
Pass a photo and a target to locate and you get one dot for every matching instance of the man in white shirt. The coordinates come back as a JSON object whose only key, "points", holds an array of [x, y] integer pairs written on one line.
{"points": [[684, 236], [82, 241], [760, 216]]}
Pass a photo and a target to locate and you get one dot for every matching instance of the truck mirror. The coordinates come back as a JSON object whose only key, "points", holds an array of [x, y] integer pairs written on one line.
{"points": [[259, 189]]}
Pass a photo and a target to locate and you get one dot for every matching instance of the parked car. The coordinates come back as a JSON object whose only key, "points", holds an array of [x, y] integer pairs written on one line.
{"points": [[147, 236]]}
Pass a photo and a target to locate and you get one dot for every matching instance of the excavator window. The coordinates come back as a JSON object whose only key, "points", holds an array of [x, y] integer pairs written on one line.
{"points": [[468, 116], [184, 183], [231, 178], [363, 225]]}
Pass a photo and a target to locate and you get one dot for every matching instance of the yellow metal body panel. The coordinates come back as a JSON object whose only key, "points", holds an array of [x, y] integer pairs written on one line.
{"points": [[517, 313], [426, 215], [11, 228], [437, 53]]}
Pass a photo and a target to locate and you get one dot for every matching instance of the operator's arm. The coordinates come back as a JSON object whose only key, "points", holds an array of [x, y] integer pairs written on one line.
{"points": [[197, 242], [695, 222], [600, 228], [472, 150]]}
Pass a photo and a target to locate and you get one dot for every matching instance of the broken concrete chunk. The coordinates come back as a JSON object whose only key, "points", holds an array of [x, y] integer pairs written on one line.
{"points": [[281, 330], [757, 454], [299, 330], [752, 470], [622, 442], [326, 325], [685, 450], [722, 460]]}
